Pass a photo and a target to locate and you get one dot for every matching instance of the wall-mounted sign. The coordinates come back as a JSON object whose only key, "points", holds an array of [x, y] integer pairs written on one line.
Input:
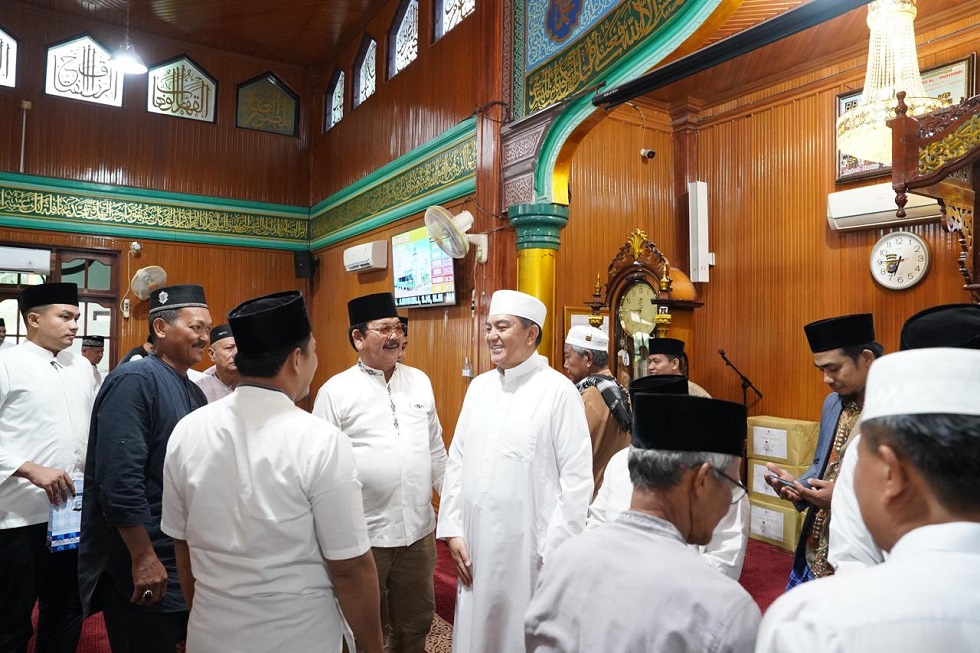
{"points": [[79, 69], [265, 103], [181, 88], [8, 59]]}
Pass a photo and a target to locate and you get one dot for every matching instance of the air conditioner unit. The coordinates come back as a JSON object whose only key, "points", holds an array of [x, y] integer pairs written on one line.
{"points": [[366, 256], [20, 259], [874, 206]]}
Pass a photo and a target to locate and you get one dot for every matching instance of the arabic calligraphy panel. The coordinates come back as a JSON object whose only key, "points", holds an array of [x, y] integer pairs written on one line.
{"points": [[181, 88], [79, 69], [266, 104], [8, 59]]}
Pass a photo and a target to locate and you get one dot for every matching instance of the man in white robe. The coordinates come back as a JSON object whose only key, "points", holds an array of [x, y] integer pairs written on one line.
{"points": [[264, 504], [919, 495], [635, 584], [851, 545], [518, 480]]}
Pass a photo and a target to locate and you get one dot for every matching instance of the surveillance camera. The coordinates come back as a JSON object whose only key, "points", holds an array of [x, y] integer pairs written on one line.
{"points": [[135, 247], [647, 154]]}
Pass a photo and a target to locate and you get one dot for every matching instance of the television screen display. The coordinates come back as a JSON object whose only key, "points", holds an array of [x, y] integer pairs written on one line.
{"points": [[424, 274]]}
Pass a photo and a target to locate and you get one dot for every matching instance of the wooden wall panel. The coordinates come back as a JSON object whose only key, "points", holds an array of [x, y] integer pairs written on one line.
{"points": [[229, 275], [768, 157], [434, 93], [439, 338], [127, 146], [613, 192]]}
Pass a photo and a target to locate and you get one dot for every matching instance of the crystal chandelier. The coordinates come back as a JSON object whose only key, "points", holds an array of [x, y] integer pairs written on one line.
{"points": [[893, 66]]}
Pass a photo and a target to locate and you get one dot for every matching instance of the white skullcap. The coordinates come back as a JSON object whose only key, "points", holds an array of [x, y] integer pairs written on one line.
{"points": [[511, 302], [918, 381], [587, 337]]}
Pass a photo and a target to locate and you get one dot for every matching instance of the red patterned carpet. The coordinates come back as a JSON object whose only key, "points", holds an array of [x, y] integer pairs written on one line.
{"points": [[763, 576]]}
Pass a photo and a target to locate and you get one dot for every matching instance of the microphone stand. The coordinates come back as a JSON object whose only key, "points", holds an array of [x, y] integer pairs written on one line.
{"points": [[746, 383]]}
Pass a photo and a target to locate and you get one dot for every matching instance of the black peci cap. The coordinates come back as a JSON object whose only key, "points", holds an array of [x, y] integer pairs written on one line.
{"points": [[950, 325], [47, 293], [270, 323], [371, 307], [839, 332], [683, 423], [176, 297]]}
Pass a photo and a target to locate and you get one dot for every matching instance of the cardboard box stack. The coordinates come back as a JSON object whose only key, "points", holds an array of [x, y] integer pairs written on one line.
{"points": [[789, 443]]}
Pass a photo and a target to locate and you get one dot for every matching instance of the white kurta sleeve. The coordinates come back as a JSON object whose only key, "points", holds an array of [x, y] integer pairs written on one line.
{"points": [[325, 408], [335, 500], [614, 494], [437, 449], [173, 520], [851, 545], [450, 521], [790, 627], [573, 455], [10, 462], [726, 550]]}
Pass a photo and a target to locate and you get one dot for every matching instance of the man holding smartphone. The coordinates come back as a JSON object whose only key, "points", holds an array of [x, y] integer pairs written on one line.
{"points": [[843, 350]]}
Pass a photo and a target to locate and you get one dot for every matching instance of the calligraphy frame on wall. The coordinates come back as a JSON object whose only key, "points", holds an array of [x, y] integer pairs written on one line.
{"points": [[179, 87], [954, 81], [8, 59], [78, 69], [267, 104]]}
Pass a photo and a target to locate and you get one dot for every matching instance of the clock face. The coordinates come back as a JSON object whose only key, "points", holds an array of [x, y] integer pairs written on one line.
{"points": [[899, 260], [637, 313]]}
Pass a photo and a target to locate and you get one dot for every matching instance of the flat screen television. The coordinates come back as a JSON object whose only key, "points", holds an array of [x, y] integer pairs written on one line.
{"points": [[423, 273]]}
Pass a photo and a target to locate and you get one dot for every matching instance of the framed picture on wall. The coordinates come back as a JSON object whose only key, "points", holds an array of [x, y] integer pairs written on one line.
{"points": [[576, 315], [953, 81]]}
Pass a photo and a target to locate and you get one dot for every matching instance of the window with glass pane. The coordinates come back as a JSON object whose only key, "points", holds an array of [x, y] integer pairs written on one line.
{"points": [[450, 13], [365, 71], [335, 100], [86, 273], [404, 36]]}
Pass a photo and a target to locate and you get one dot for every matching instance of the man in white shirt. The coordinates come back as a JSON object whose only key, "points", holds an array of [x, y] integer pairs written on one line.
{"points": [[851, 545], [635, 584], [264, 505], [93, 348], [726, 550], [45, 406], [919, 494], [220, 379], [388, 411], [518, 481]]}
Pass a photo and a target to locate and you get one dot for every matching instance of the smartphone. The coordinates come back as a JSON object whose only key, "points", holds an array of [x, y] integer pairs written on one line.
{"points": [[782, 481]]}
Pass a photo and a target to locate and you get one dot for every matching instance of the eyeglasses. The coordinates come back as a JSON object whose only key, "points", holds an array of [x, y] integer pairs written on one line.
{"points": [[388, 329], [738, 491]]}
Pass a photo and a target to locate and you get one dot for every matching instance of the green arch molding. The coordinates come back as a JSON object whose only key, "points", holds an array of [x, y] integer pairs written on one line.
{"points": [[441, 170], [100, 209], [639, 60]]}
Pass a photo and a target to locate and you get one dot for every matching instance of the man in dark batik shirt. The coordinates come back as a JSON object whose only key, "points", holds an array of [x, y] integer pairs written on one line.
{"points": [[127, 566]]}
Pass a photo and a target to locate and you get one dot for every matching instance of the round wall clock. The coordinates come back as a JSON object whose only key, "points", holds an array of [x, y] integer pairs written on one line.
{"points": [[899, 260], [635, 309]]}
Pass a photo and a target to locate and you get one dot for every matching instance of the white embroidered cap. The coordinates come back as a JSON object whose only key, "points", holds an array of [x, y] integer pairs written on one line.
{"points": [[587, 337], [512, 302], [919, 381]]}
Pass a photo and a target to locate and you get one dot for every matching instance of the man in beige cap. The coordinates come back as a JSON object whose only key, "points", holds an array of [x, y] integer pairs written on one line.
{"points": [[607, 406], [919, 492], [518, 480]]}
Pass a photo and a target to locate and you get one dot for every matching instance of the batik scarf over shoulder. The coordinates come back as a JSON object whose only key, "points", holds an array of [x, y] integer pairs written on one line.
{"points": [[614, 395]]}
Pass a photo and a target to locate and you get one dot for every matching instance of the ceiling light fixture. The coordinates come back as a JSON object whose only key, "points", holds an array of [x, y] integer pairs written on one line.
{"points": [[893, 66], [125, 59]]}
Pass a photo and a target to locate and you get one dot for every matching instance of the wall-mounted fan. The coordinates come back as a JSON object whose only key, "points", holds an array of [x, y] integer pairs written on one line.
{"points": [[449, 233], [148, 279]]}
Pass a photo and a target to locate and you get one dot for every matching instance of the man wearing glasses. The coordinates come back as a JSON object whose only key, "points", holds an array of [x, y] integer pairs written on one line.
{"points": [[634, 584], [726, 550], [388, 411]]}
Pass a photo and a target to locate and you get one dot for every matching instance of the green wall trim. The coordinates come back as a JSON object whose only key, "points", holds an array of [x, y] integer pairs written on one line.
{"points": [[81, 207], [538, 226], [442, 169], [637, 61]]}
